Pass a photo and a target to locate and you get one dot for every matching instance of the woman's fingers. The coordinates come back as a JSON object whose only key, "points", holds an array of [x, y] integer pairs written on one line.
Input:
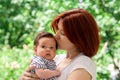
{"points": [[25, 78], [30, 68], [34, 76], [28, 76], [31, 75]]}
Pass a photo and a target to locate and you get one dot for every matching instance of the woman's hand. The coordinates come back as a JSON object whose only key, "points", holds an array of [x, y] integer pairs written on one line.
{"points": [[27, 75]]}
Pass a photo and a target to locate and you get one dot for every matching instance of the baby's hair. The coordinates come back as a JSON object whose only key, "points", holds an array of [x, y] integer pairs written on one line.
{"points": [[44, 34]]}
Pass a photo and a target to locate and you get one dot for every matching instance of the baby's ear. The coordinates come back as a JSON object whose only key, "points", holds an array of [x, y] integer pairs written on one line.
{"points": [[35, 49]]}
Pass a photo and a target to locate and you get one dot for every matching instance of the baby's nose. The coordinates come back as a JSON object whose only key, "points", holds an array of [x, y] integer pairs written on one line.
{"points": [[48, 48]]}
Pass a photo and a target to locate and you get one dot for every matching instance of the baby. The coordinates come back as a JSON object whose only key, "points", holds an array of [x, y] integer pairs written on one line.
{"points": [[45, 47]]}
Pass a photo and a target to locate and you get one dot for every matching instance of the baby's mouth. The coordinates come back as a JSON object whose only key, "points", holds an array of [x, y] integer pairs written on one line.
{"points": [[48, 54]]}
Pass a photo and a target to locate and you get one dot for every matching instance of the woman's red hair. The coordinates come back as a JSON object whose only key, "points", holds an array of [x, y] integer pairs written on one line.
{"points": [[81, 29]]}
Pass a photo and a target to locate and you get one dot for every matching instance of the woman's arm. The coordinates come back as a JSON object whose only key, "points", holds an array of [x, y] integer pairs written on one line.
{"points": [[27, 75], [46, 73], [79, 74]]}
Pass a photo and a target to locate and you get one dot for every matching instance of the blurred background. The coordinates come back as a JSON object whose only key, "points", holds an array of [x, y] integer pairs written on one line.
{"points": [[21, 20]]}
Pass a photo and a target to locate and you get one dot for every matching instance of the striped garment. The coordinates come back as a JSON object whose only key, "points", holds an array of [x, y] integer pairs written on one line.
{"points": [[40, 62]]}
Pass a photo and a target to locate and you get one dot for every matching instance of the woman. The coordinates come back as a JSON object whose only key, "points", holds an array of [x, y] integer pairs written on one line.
{"points": [[76, 31]]}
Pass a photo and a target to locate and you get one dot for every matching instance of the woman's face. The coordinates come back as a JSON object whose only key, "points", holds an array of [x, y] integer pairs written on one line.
{"points": [[63, 42]]}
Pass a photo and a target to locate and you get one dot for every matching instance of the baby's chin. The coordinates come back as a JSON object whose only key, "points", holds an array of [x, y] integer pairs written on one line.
{"points": [[48, 57]]}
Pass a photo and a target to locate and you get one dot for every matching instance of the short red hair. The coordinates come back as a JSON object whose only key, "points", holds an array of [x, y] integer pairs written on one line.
{"points": [[81, 29]]}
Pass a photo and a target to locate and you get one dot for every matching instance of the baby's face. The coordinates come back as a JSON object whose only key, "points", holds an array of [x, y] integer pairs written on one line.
{"points": [[46, 48]]}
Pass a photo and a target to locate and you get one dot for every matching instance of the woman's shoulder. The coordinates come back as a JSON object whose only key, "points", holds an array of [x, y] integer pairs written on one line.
{"points": [[86, 63], [84, 60]]}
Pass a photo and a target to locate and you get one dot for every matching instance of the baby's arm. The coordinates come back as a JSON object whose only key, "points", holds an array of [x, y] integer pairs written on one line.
{"points": [[46, 73]]}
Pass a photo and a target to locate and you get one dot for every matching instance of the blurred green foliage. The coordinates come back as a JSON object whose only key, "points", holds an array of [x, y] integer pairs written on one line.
{"points": [[13, 62], [20, 20]]}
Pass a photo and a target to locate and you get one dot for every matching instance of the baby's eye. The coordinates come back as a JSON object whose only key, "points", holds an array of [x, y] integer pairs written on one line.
{"points": [[43, 46], [51, 47]]}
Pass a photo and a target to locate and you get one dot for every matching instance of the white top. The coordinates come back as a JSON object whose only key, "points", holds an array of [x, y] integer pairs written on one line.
{"points": [[81, 61]]}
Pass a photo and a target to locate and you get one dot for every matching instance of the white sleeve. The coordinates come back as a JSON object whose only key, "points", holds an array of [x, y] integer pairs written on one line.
{"points": [[87, 64]]}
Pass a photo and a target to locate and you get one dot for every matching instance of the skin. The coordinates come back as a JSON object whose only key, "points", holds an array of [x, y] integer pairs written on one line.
{"points": [[65, 44], [46, 48]]}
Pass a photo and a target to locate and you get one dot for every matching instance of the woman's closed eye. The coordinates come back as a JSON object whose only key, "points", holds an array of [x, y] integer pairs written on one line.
{"points": [[62, 33]]}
